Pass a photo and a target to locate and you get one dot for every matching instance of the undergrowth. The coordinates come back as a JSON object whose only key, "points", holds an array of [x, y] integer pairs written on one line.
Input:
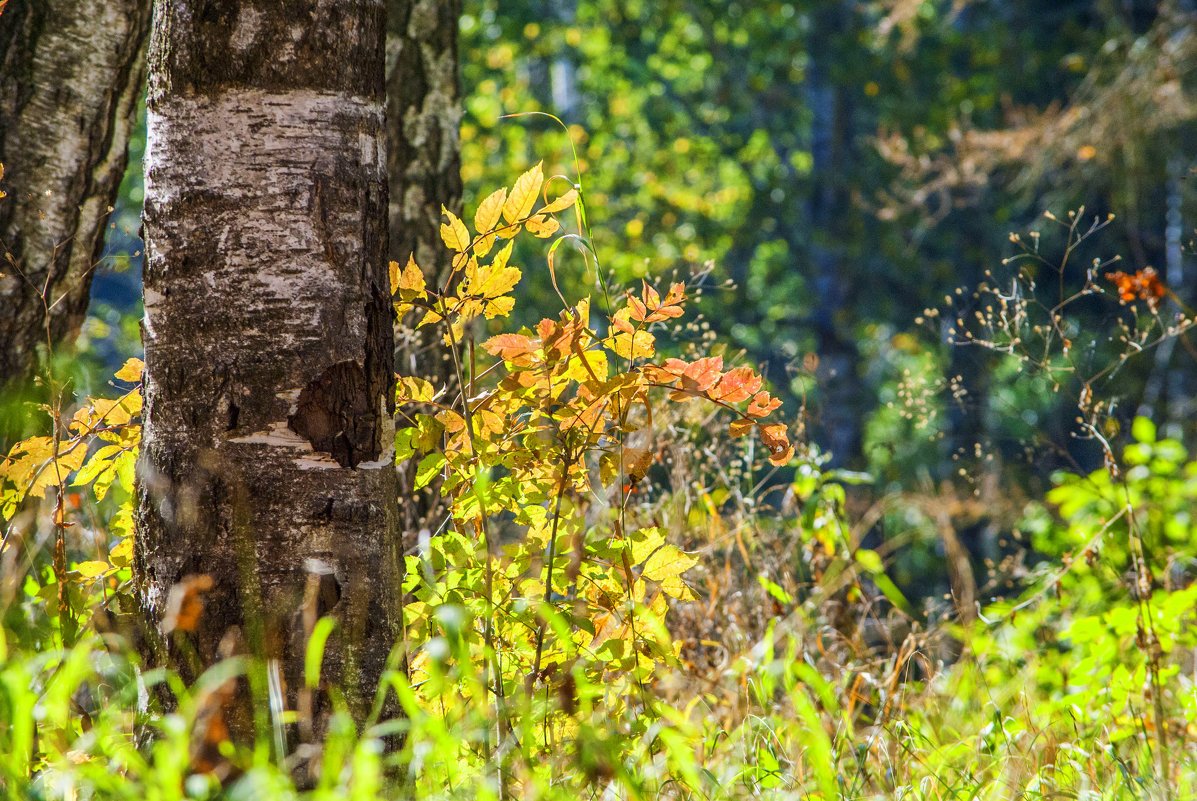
{"points": [[640, 588]]}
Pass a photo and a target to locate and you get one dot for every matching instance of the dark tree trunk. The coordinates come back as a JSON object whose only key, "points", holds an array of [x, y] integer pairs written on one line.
{"points": [[832, 134], [71, 73], [424, 166], [267, 456]]}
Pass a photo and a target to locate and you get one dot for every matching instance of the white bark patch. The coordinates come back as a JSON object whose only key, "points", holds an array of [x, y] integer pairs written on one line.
{"points": [[387, 460], [279, 435], [318, 461]]}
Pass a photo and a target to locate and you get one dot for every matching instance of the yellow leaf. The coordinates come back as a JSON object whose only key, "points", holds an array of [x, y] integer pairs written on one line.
{"points": [[489, 211], [658, 607], [501, 258], [643, 543], [411, 284], [485, 285], [122, 554], [562, 203], [393, 272], [508, 231], [677, 588], [582, 312], [739, 428], [54, 466], [668, 562], [100, 461], [634, 345], [455, 234], [541, 226], [93, 569], [412, 389], [107, 413], [483, 245], [608, 469], [499, 307], [523, 195], [131, 372], [591, 365]]}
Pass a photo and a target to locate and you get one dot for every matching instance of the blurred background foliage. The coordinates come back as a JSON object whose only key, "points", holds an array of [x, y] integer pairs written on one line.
{"points": [[847, 165]]}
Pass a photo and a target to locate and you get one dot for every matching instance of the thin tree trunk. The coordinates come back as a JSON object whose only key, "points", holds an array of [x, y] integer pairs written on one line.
{"points": [[267, 455], [832, 134], [71, 74], [424, 167]]}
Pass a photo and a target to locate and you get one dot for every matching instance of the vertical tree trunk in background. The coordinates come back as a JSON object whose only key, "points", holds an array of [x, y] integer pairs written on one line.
{"points": [[71, 74], [424, 167], [267, 455], [832, 134]]}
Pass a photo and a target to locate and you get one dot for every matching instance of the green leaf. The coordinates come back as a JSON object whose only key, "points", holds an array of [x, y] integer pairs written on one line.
{"points": [[429, 466], [403, 445], [315, 653], [98, 463], [1143, 430]]}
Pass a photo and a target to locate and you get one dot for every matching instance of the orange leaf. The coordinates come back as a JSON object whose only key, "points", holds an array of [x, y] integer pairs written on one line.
{"points": [[185, 604], [737, 385], [705, 372], [509, 346], [636, 462], [639, 311], [658, 375], [777, 440], [761, 405], [562, 203], [652, 298]]}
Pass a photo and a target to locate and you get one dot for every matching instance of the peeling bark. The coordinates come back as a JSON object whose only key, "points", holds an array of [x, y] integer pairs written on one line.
{"points": [[71, 74], [424, 164], [267, 454]]}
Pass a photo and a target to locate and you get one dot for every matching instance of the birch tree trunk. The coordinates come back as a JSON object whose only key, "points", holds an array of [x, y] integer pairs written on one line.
{"points": [[268, 449], [424, 165], [71, 74]]}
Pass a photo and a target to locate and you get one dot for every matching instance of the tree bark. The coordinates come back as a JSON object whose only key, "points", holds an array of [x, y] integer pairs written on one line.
{"points": [[267, 458], [71, 74], [424, 165]]}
